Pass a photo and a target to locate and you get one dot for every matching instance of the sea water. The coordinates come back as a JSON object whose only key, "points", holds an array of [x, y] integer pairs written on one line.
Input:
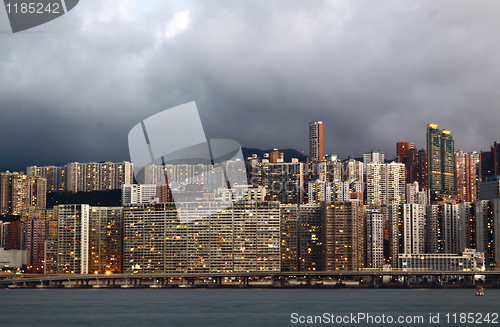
{"points": [[247, 307]]}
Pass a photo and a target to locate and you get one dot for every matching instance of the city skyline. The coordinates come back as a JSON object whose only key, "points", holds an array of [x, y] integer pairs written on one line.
{"points": [[372, 73]]}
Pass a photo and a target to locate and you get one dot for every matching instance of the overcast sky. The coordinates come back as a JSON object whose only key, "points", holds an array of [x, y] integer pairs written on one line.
{"points": [[375, 73]]}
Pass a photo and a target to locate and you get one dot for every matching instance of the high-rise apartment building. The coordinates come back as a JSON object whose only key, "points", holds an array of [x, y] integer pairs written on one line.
{"points": [[55, 176], [20, 192], [416, 167], [73, 228], [34, 238], [5, 192], [343, 236], [245, 237], [467, 226], [415, 195], [310, 237], [139, 193], [374, 238], [465, 176], [443, 228], [385, 183], [488, 230], [289, 237], [330, 170], [402, 149], [441, 161], [490, 162], [284, 182], [105, 239], [39, 225], [334, 191], [89, 239], [85, 177], [11, 235], [316, 141], [377, 157], [406, 230], [38, 192], [276, 156], [353, 170]]}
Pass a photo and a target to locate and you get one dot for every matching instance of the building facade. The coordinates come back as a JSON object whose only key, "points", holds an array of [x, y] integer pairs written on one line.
{"points": [[244, 237], [316, 141], [441, 161], [343, 236], [466, 176]]}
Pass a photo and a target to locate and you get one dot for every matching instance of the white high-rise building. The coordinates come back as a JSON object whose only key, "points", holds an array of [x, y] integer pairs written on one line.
{"points": [[373, 157], [139, 193], [406, 230], [374, 239], [333, 191], [414, 195], [385, 183], [353, 170]]}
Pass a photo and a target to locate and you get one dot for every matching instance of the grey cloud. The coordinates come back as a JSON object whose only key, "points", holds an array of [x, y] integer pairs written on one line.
{"points": [[375, 73]]}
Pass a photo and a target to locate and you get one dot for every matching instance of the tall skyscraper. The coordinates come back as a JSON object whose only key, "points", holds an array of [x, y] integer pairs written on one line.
{"points": [[441, 161], [465, 176], [416, 167], [402, 149], [316, 141], [490, 162]]}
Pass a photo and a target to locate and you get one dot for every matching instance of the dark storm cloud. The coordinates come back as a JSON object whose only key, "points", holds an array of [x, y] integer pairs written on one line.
{"points": [[374, 72]]}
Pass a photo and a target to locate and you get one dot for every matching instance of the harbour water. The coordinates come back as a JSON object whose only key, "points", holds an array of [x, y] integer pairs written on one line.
{"points": [[244, 307]]}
